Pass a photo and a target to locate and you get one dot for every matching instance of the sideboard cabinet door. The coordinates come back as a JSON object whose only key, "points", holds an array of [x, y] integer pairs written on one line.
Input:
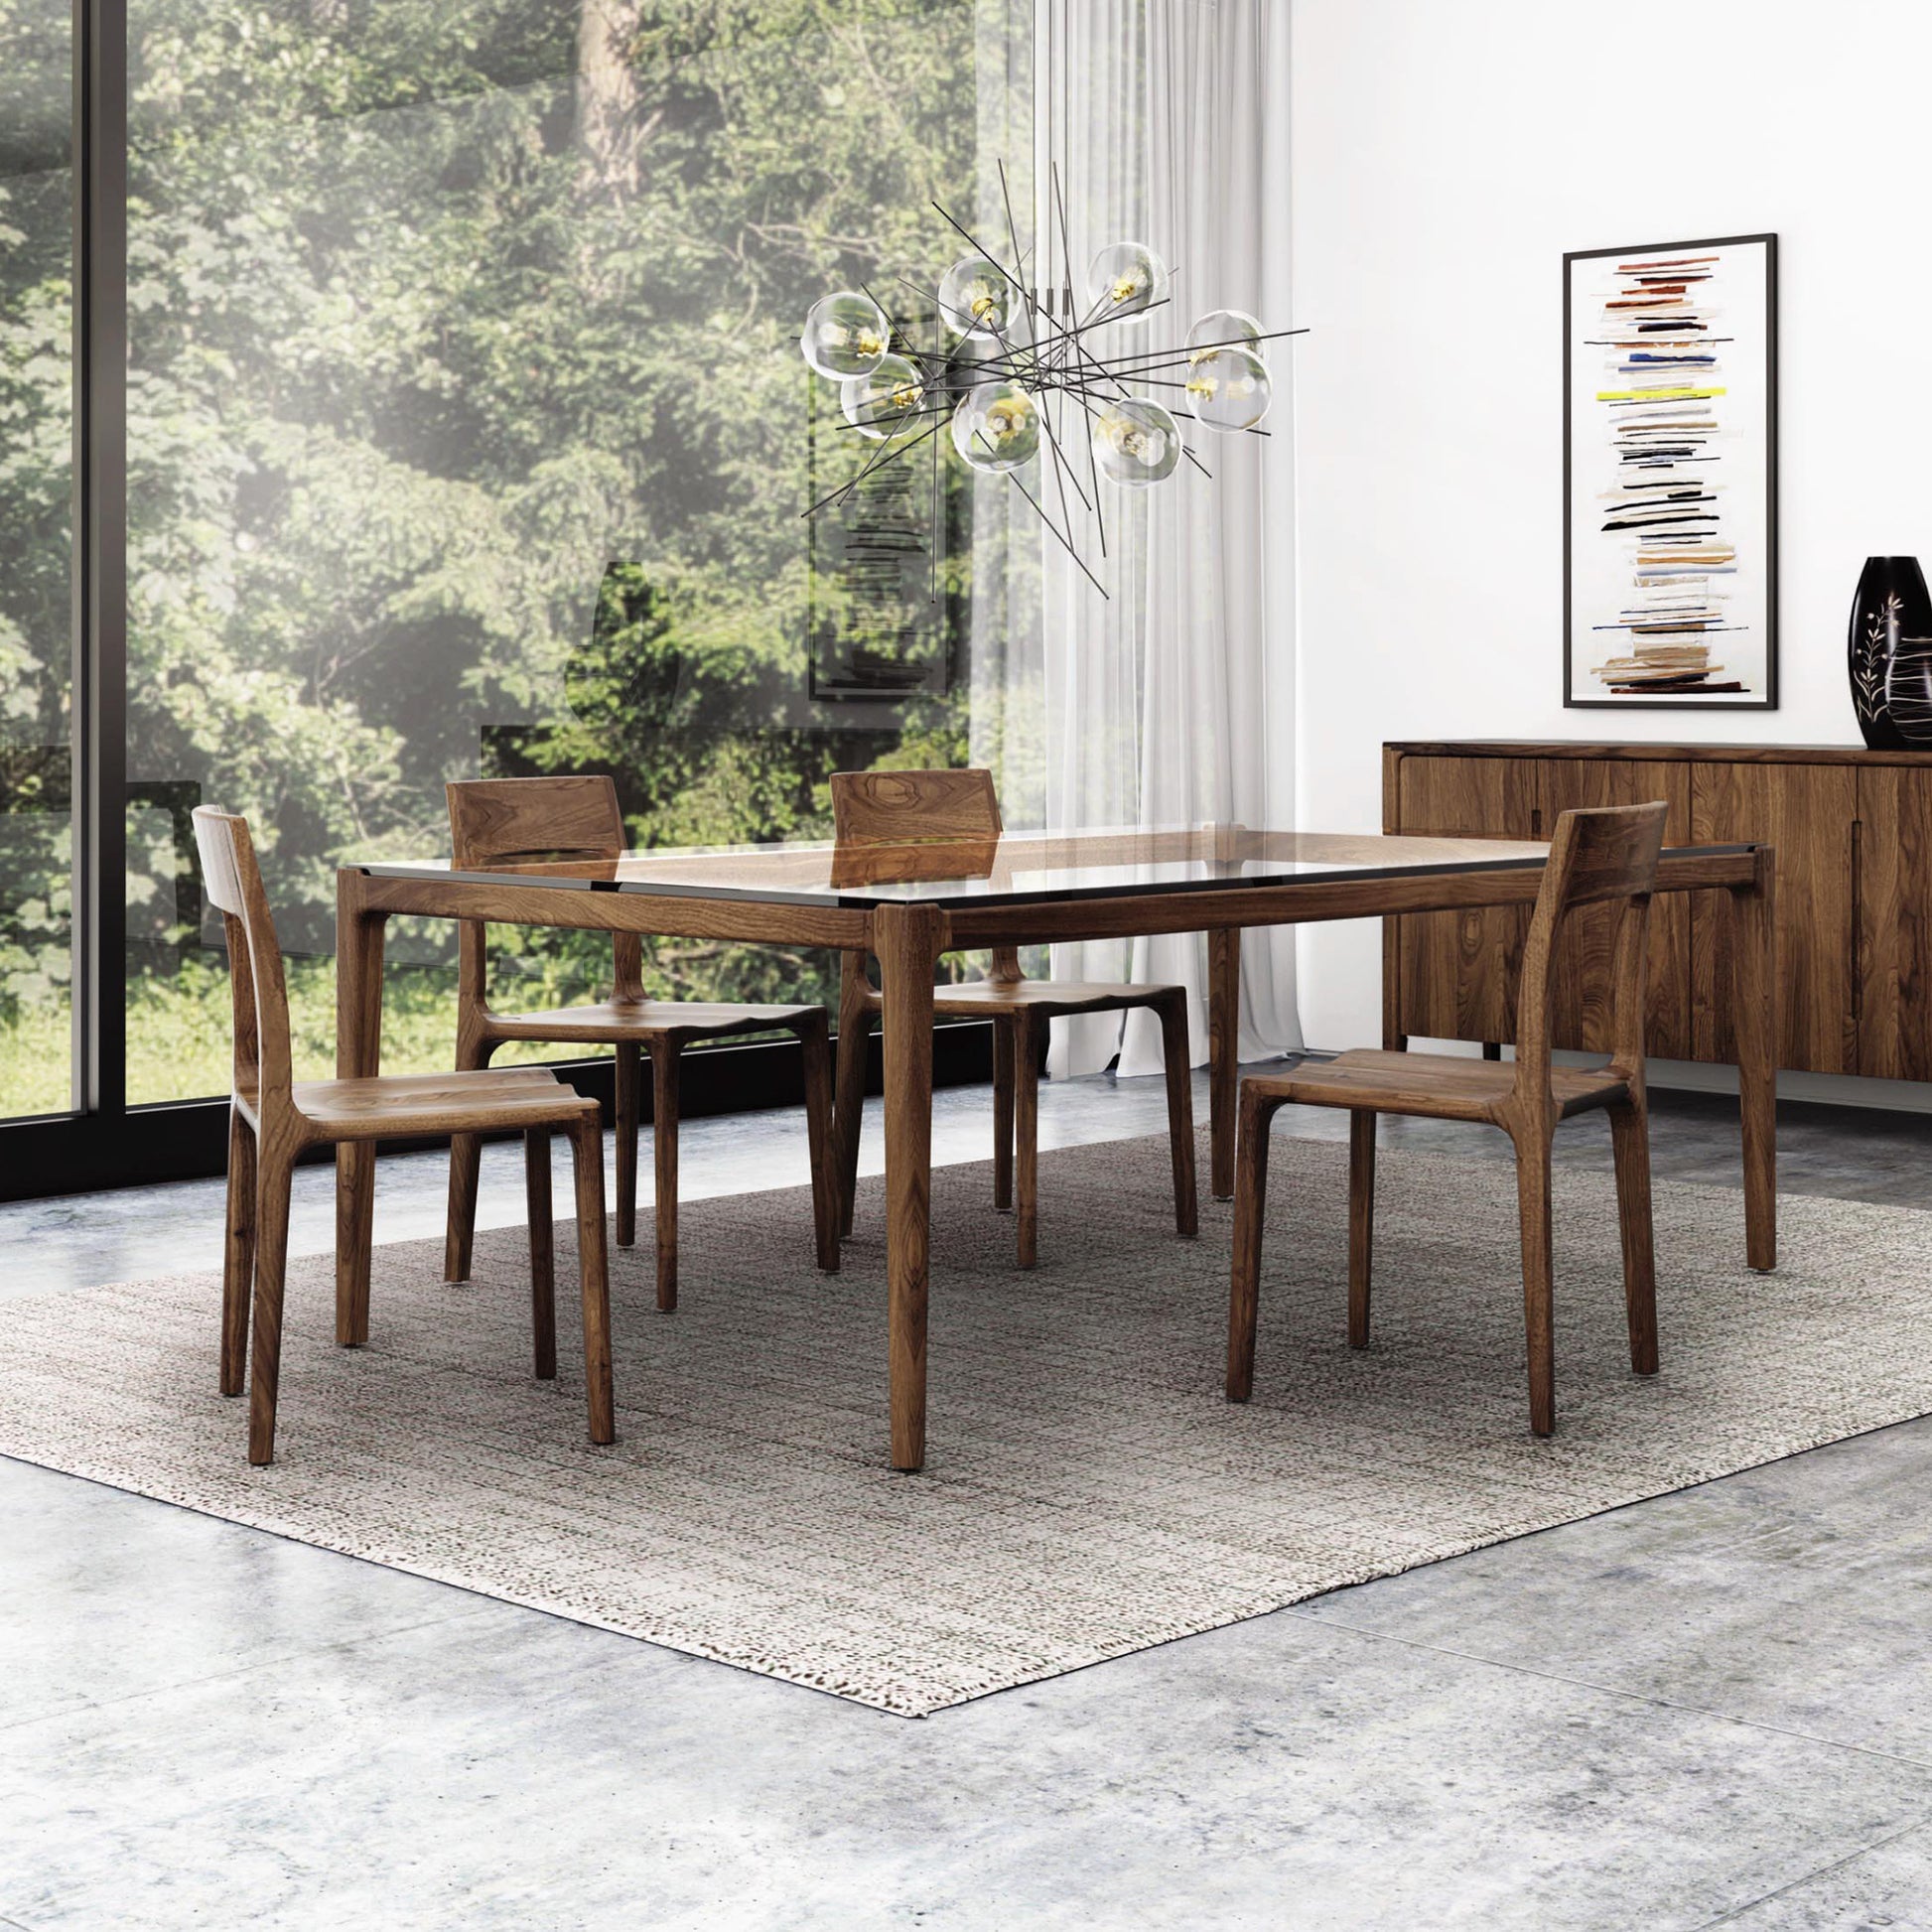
{"points": [[1894, 883], [1806, 812], [1458, 970]]}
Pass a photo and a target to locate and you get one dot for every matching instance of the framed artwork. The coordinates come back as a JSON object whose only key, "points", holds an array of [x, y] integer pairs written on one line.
{"points": [[1670, 475]]}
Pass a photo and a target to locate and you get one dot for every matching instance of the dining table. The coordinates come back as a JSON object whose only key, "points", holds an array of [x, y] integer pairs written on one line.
{"points": [[907, 907]]}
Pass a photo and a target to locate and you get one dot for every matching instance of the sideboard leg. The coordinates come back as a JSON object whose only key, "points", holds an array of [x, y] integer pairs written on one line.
{"points": [[1754, 967]]}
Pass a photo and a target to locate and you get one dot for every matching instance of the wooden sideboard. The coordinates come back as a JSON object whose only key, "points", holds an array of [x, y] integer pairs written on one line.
{"points": [[1852, 831]]}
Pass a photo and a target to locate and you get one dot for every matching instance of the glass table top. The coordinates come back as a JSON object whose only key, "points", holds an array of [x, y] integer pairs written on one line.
{"points": [[1023, 866]]}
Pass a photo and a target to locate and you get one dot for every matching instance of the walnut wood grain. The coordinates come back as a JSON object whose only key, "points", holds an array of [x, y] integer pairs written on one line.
{"points": [[238, 1253], [664, 1141], [284, 1116], [1537, 748], [1598, 856], [1458, 970], [1804, 812], [1003, 1091], [1028, 1045], [907, 942], [904, 808], [1223, 1055], [543, 1254], [1361, 1221], [1583, 964], [531, 900], [359, 934], [856, 1010], [1893, 884], [1756, 975]]}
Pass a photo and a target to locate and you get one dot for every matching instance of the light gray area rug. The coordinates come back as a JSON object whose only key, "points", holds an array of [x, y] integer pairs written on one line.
{"points": [[1088, 1493]]}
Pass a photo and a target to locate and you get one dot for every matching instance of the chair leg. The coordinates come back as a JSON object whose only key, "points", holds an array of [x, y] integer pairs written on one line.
{"points": [[816, 1047], [594, 1276], [1630, 1140], [1361, 1221], [849, 1101], [1533, 1201], [543, 1278], [1250, 1200], [238, 1253], [630, 1085], [1026, 1131], [465, 1173], [663, 1144], [275, 1172], [1181, 1113], [1003, 1116]]}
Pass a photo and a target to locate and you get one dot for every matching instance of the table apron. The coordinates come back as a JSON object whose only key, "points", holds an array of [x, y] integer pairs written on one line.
{"points": [[1298, 903], [672, 916], [1019, 922]]}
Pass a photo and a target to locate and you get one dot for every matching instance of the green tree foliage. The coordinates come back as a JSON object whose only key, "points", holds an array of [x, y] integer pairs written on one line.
{"points": [[437, 308]]}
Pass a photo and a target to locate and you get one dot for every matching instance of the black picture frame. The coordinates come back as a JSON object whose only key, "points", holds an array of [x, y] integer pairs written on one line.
{"points": [[1768, 701]]}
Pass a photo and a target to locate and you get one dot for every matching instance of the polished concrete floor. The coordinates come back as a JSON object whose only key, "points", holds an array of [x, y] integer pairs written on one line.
{"points": [[1715, 1708]]}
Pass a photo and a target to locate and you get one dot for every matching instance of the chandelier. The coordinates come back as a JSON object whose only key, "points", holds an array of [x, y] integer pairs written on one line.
{"points": [[1012, 380]]}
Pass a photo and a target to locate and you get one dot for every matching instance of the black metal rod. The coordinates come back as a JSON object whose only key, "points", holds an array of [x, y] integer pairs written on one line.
{"points": [[1065, 543]]}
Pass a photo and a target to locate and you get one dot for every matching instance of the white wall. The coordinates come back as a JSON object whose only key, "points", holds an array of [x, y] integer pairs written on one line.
{"points": [[1446, 154]]}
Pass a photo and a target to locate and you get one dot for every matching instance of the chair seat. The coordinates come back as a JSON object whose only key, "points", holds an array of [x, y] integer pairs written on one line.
{"points": [[977, 998], [1442, 1085], [644, 1019], [440, 1103]]}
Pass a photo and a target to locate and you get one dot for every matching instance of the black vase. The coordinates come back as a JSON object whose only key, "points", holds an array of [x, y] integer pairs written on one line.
{"points": [[1889, 654]]}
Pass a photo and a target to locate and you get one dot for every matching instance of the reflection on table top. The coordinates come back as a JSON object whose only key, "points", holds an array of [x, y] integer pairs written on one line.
{"points": [[1020, 866]]}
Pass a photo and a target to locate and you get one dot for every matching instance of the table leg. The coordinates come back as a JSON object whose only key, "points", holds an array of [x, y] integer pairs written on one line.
{"points": [[849, 1089], [1223, 1053], [359, 1055], [907, 942], [1755, 992]]}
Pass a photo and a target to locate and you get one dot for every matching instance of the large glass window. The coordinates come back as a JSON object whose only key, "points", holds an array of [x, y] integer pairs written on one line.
{"points": [[36, 556], [468, 435]]}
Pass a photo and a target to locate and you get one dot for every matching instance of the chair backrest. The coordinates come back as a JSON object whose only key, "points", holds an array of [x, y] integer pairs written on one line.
{"points": [[1599, 854], [909, 825], [232, 880], [512, 821], [523, 821], [913, 807]]}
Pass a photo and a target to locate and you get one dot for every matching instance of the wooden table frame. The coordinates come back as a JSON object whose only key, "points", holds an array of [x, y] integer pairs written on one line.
{"points": [[908, 938]]}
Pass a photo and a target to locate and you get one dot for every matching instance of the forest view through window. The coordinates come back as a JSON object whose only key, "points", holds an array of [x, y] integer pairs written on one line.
{"points": [[468, 435], [36, 556]]}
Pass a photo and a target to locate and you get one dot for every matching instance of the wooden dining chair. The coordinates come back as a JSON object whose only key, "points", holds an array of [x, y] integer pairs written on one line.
{"points": [[1606, 854], [273, 1117], [957, 813], [510, 821]]}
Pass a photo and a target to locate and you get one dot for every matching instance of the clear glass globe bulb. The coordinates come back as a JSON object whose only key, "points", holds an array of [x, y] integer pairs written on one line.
{"points": [[975, 298], [995, 427], [1225, 328], [1125, 280], [1136, 442], [845, 334], [880, 402], [1228, 389]]}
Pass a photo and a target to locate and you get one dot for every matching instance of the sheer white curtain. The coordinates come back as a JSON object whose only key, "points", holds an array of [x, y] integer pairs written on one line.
{"points": [[1171, 701]]}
